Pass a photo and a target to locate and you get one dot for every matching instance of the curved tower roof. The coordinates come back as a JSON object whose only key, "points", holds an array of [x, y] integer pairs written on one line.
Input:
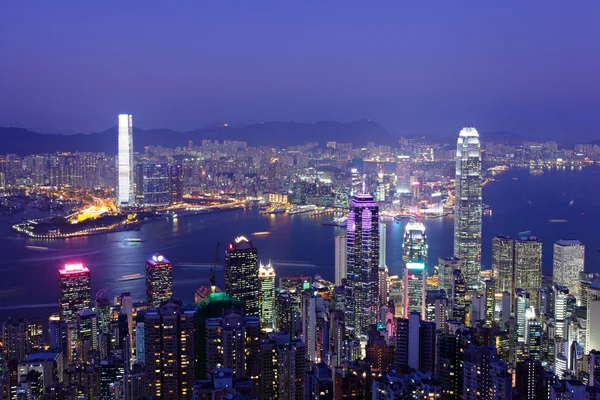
{"points": [[468, 132]]}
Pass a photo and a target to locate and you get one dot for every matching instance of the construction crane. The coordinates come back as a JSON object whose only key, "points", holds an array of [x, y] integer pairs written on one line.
{"points": [[213, 282]]}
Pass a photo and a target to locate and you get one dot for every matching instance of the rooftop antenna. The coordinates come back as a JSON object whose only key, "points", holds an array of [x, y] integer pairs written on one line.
{"points": [[364, 183], [213, 282]]}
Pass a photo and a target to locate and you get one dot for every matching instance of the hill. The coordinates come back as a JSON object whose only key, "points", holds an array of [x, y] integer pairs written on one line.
{"points": [[282, 134]]}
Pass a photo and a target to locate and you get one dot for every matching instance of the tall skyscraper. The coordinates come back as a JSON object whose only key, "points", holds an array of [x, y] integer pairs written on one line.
{"points": [[266, 296], [159, 280], [446, 267], [382, 245], [528, 265], [156, 189], [468, 205], [503, 263], [170, 344], [125, 195], [340, 259], [363, 260], [241, 274], [176, 182], [569, 260], [593, 316], [75, 291], [414, 262], [415, 343]]}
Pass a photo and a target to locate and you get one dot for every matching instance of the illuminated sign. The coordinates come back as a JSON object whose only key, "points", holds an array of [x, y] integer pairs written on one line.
{"points": [[415, 265], [240, 239]]}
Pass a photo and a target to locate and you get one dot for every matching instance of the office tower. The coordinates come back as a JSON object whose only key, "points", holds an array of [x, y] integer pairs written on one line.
{"points": [[585, 280], [156, 189], [280, 354], [568, 262], [500, 387], [266, 296], [15, 338], [594, 357], [57, 330], [415, 343], [340, 259], [232, 341], [159, 280], [75, 291], [170, 344], [241, 274], [414, 262], [362, 262], [534, 340], [529, 379], [134, 384], [561, 312], [379, 354], [528, 265], [382, 245], [446, 267], [309, 325], [384, 290], [436, 305], [175, 183], [477, 368], [522, 301], [458, 302], [125, 195], [468, 205], [503, 263], [87, 336], [490, 301], [593, 316]]}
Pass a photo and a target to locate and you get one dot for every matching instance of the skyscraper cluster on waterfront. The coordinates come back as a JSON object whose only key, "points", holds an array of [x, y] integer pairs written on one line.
{"points": [[380, 331]]}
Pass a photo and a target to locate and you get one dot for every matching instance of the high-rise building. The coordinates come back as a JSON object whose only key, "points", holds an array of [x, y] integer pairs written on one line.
{"points": [[266, 296], [170, 345], [436, 305], [468, 205], [458, 293], [176, 183], [593, 316], [446, 267], [159, 280], [125, 187], [280, 354], [156, 183], [490, 301], [382, 245], [569, 261], [362, 262], [340, 259], [415, 343], [241, 274], [384, 292], [503, 263], [414, 262], [75, 291], [528, 265]]}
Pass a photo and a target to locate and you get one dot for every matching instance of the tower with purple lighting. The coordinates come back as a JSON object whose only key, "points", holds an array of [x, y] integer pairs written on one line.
{"points": [[75, 291], [363, 262]]}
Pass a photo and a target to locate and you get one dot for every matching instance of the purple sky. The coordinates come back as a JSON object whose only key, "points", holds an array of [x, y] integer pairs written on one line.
{"points": [[530, 67]]}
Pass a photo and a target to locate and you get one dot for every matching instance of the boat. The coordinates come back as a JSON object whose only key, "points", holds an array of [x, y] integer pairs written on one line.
{"points": [[536, 172], [131, 277], [301, 209], [37, 248], [340, 221], [401, 217], [276, 210], [133, 240]]}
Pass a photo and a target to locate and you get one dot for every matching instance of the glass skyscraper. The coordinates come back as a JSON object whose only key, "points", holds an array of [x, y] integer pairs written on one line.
{"points": [[414, 263], [468, 205], [362, 253], [568, 262], [266, 299], [241, 274], [159, 280], [75, 291], [125, 192], [156, 183]]}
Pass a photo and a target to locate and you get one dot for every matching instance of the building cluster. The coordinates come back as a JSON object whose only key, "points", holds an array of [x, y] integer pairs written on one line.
{"points": [[449, 332]]}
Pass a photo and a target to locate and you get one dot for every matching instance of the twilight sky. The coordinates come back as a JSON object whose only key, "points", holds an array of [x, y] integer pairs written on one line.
{"points": [[530, 67]]}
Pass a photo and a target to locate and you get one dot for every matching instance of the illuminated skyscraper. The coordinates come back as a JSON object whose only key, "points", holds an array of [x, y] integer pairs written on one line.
{"points": [[340, 259], [593, 316], [528, 265], [503, 263], [446, 267], [125, 195], [569, 259], [241, 274], [159, 280], [156, 189], [363, 261], [468, 205], [266, 299], [414, 262], [75, 291], [176, 182]]}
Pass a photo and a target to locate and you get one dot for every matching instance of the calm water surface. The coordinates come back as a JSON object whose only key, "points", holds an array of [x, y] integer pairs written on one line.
{"points": [[296, 244]]}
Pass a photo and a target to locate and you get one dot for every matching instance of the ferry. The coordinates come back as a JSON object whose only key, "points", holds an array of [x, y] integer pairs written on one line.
{"points": [[401, 217], [37, 248], [536, 172], [302, 209], [131, 277], [276, 210], [340, 221], [133, 240], [498, 168]]}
